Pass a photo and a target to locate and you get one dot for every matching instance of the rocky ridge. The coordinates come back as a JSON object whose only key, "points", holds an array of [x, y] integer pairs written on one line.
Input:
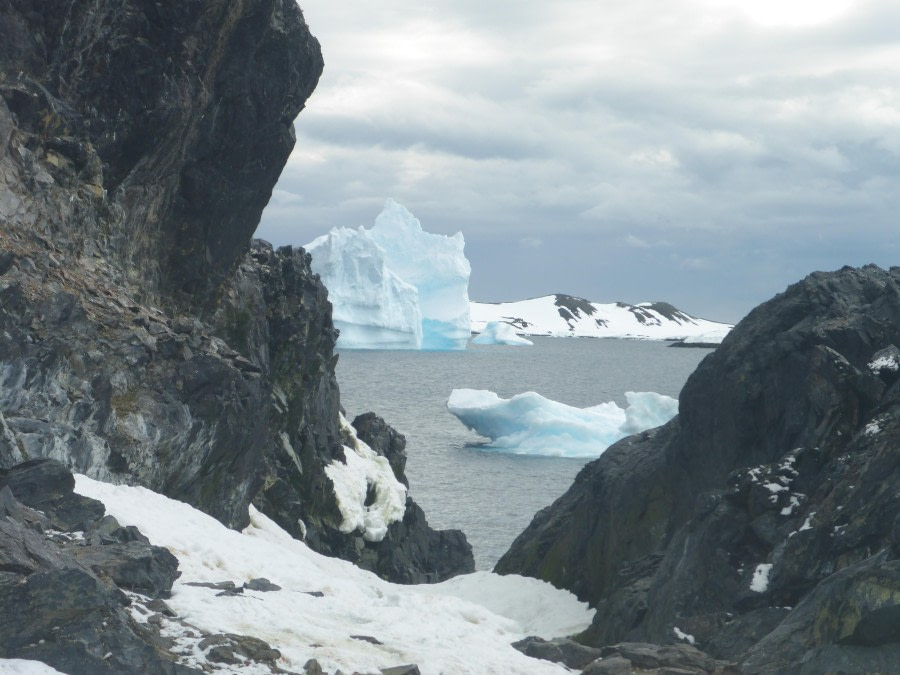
{"points": [[143, 338], [763, 523]]}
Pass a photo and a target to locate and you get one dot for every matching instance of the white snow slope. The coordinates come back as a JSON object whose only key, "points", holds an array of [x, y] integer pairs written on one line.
{"points": [[395, 286], [440, 628], [565, 316], [529, 424]]}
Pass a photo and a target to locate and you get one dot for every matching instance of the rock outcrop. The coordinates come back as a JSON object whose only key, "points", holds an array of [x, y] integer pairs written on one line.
{"points": [[143, 338], [762, 523], [85, 595]]}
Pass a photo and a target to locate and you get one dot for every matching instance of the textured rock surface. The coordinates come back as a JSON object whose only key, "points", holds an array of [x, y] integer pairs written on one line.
{"points": [[143, 339], [63, 570], [763, 521]]}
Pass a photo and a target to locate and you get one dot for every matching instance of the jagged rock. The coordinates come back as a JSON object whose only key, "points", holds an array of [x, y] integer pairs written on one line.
{"points": [[410, 669], [378, 434], [779, 475], [261, 584], [133, 566], [411, 551], [46, 485], [612, 665], [648, 656], [143, 338], [559, 650], [61, 606]]}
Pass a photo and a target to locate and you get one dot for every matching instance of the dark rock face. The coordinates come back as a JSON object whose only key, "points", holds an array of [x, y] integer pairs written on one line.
{"points": [[181, 112], [762, 520], [63, 570], [143, 338]]}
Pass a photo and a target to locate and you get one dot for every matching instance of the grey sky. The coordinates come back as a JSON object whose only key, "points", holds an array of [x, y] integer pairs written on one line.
{"points": [[702, 152]]}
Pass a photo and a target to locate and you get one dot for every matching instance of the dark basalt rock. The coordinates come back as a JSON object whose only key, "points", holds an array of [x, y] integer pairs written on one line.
{"points": [[143, 338], [58, 593], [784, 454], [182, 113], [560, 650]]}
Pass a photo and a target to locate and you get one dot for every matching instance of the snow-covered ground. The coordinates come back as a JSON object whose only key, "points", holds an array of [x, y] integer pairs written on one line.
{"points": [[529, 424], [565, 316], [465, 625]]}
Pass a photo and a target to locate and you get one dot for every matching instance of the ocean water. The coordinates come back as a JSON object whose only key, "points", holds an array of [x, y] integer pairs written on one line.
{"points": [[489, 495]]}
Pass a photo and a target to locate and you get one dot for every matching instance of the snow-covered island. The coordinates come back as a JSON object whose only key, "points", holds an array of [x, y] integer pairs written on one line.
{"points": [[567, 316]]}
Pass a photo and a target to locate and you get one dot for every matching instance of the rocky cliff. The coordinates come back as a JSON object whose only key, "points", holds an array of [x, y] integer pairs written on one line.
{"points": [[762, 522], [143, 339]]}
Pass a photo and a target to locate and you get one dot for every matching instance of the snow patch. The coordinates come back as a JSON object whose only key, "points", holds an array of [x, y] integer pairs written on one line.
{"points": [[681, 635], [436, 629], [887, 362], [872, 428], [499, 333], [26, 667], [529, 424], [760, 581], [352, 480]]}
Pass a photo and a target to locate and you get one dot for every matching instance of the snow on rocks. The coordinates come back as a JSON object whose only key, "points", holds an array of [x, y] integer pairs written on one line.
{"points": [[324, 601], [365, 470], [529, 424], [395, 286], [887, 359], [499, 333], [760, 581], [567, 316]]}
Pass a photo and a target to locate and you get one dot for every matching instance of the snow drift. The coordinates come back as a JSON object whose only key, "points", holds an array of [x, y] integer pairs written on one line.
{"points": [[529, 424], [330, 610]]}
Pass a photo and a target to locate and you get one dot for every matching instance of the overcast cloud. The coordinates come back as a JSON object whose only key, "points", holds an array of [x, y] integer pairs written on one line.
{"points": [[702, 152]]}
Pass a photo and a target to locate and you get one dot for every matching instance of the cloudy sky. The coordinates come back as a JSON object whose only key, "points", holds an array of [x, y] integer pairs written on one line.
{"points": [[702, 152]]}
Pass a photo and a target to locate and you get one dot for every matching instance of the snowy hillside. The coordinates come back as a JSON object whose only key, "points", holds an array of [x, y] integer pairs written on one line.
{"points": [[564, 316], [309, 606]]}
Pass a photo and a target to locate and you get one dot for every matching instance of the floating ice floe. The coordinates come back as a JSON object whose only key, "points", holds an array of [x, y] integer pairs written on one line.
{"points": [[529, 424], [499, 333], [395, 286], [324, 602]]}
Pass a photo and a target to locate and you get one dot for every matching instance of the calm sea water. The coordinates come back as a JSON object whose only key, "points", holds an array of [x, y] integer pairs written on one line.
{"points": [[492, 496]]}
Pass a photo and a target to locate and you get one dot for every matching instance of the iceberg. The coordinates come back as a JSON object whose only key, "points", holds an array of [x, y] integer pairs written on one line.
{"points": [[395, 286], [371, 306], [499, 333], [529, 424]]}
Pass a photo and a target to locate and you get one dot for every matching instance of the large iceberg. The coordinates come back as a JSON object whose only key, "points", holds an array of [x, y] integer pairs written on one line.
{"points": [[499, 333], [372, 307], [395, 286], [529, 424]]}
